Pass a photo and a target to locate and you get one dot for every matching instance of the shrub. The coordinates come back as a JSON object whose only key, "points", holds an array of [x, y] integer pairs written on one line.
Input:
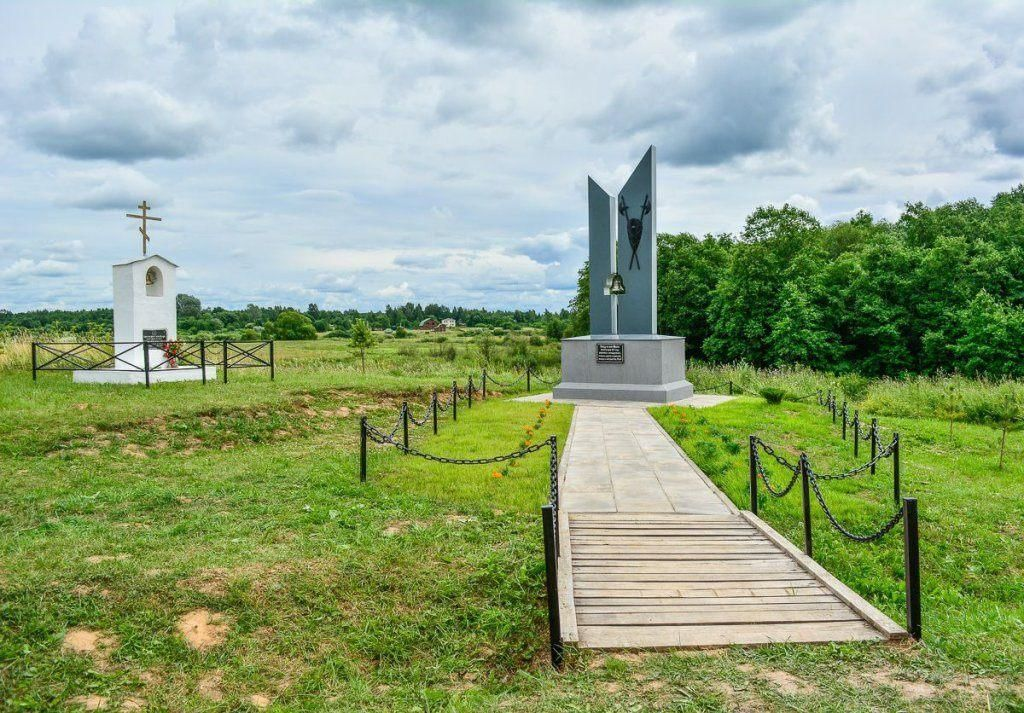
{"points": [[290, 325], [401, 333], [772, 395], [854, 386]]}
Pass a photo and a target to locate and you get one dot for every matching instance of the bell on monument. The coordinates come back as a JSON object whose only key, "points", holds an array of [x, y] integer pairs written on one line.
{"points": [[613, 285]]}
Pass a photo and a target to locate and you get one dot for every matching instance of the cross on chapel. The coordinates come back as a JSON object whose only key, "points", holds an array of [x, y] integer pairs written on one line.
{"points": [[144, 217]]}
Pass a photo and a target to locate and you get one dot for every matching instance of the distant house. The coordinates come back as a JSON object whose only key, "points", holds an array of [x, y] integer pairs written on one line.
{"points": [[428, 325], [448, 323]]}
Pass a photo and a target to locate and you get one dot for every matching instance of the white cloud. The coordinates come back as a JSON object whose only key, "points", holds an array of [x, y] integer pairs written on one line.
{"points": [[402, 292], [804, 203], [37, 268]]}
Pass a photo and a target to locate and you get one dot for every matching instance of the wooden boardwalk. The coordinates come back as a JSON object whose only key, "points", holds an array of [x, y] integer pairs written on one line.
{"points": [[644, 564]]}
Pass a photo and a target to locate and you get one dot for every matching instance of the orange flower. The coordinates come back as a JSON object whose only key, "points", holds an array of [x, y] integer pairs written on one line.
{"points": [[526, 442], [496, 474]]}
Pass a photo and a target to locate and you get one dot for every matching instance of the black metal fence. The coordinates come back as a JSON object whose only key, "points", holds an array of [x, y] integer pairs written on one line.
{"points": [[138, 356], [549, 512], [812, 480]]}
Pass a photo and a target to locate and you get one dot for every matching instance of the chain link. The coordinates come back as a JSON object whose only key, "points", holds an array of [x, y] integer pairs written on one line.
{"points": [[772, 490], [870, 537], [880, 456], [378, 436]]}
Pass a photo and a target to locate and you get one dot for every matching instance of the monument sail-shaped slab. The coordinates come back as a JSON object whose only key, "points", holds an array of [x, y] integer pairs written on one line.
{"points": [[624, 358], [638, 250], [602, 255]]}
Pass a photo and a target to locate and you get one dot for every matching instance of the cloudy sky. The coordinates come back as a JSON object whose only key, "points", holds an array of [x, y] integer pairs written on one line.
{"points": [[355, 153]]}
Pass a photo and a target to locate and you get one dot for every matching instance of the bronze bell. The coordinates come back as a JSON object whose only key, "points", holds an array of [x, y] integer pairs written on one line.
{"points": [[615, 285]]}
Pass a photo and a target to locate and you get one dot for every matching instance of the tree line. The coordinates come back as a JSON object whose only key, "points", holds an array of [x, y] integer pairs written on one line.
{"points": [[254, 321], [937, 290]]}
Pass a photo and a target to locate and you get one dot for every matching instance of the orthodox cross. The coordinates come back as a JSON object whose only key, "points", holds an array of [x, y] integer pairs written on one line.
{"points": [[144, 217]]}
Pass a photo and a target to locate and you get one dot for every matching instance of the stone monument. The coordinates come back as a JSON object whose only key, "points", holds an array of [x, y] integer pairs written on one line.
{"points": [[145, 322], [624, 358]]}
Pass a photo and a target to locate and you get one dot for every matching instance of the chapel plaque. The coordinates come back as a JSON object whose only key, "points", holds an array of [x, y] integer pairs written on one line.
{"points": [[613, 353]]}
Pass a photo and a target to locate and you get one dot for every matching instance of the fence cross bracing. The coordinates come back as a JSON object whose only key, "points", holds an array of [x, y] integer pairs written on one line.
{"points": [[139, 356]]}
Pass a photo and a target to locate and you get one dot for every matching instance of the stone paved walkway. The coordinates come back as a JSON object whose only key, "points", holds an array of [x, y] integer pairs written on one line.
{"points": [[621, 461]]}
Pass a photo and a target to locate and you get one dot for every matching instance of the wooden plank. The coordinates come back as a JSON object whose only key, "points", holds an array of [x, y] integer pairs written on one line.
{"points": [[641, 556], [646, 589], [617, 637], [650, 517], [640, 536], [728, 618], [739, 611], [660, 544], [706, 579], [822, 595], [875, 617], [583, 579], [770, 564]]}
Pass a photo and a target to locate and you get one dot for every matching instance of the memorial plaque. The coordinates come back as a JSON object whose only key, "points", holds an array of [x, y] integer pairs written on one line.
{"points": [[154, 336], [613, 353]]}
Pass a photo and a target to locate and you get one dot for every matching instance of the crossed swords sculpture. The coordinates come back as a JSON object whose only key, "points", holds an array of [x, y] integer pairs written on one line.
{"points": [[634, 227]]}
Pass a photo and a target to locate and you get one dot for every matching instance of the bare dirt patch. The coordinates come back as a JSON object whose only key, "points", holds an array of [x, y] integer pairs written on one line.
{"points": [[133, 704], [911, 690], [209, 686], [397, 527], [788, 684], [203, 629], [89, 642], [213, 581], [259, 700], [89, 703], [134, 450], [96, 559]]}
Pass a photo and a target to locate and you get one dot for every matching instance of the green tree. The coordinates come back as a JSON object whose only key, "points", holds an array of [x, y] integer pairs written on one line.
{"points": [[688, 273], [798, 335], [361, 338], [579, 306], [291, 325], [1003, 411], [950, 404], [554, 329], [992, 341], [188, 305]]}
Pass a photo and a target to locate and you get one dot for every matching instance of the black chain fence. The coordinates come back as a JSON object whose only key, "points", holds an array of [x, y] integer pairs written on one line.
{"points": [[812, 481]]}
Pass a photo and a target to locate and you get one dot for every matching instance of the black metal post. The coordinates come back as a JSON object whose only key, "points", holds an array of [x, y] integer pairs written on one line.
{"points": [[362, 449], [547, 514], [202, 358], [434, 405], [896, 467], [856, 432], [730, 387], [912, 567], [483, 385], [455, 402], [405, 423], [271, 359], [806, 485], [874, 443], [225, 360], [469, 391], [833, 409], [145, 360], [34, 369], [844, 420], [527, 378], [753, 474]]}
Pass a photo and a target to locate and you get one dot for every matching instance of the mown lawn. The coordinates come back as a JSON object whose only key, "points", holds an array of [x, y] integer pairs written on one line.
{"points": [[237, 509]]}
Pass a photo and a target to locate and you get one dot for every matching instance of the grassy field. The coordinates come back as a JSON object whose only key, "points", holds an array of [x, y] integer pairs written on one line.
{"points": [[134, 521]]}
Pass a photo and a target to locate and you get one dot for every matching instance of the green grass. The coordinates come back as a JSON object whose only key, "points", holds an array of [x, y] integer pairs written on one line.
{"points": [[123, 509]]}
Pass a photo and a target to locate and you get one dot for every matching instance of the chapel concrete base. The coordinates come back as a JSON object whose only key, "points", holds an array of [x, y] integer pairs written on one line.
{"points": [[653, 369], [125, 376]]}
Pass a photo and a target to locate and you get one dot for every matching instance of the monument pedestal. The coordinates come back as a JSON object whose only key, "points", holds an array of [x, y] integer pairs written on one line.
{"points": [[624, 367], [130, 376]]}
